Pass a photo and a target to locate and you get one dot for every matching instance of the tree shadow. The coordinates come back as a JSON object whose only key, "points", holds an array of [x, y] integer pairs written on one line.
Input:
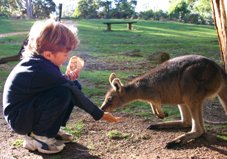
{"points": [[170, 129], [71, 150], [211, 142], [208, 140]]}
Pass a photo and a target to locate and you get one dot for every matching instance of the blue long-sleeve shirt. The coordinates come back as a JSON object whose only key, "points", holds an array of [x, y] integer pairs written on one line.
{"points": [[35, 75]]}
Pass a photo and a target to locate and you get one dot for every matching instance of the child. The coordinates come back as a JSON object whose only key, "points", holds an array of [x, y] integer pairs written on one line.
{"points": [[37, 98]]}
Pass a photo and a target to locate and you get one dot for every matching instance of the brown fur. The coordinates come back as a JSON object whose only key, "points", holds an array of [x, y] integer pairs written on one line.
{"points": [[187, 81], [16, 57]]}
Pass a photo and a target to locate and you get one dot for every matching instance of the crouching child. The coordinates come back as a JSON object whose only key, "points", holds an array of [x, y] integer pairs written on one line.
{"points": [[37, 98]]}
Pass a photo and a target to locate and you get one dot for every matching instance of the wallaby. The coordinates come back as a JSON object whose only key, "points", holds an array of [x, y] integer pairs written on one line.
{"points": [[16, 57], [188, 81]]}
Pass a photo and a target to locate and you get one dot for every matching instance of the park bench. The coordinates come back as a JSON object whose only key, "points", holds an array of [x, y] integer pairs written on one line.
{"points": [[108, 24]]}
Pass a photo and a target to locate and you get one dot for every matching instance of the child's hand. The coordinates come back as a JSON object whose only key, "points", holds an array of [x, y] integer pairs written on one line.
{"points": [[73, 75], [74, 68], [110, 118]]}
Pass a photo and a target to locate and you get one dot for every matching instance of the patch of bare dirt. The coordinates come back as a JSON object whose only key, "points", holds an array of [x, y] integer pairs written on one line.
{"points": [[101, 63], [141, 143]]}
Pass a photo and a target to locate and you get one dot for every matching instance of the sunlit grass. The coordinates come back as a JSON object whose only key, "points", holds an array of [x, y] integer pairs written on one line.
{"points": [[18, 143], [75, 129], [9, 25], [150, 37], [223, 136]]}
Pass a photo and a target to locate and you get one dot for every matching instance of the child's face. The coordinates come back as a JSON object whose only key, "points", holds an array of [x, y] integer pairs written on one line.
{"points": [[59, 58]]}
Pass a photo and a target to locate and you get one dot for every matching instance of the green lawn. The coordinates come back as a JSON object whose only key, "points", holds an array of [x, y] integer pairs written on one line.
{"points": [[9, 25], [149, 37]]}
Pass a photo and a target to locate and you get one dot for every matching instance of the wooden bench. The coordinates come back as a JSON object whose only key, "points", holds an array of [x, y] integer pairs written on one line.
{"points": [[108, 24]]}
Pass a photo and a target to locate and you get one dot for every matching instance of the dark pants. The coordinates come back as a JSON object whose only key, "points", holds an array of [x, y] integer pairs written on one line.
{"points": [[46, 113]]}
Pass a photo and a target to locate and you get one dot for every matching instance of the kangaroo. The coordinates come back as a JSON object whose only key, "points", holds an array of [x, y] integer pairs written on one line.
{"points": [[16, 57], [187, 81]]}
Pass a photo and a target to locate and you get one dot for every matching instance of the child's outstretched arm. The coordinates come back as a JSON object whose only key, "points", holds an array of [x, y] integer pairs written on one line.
{"points": [[86, 104], [110, 118]]}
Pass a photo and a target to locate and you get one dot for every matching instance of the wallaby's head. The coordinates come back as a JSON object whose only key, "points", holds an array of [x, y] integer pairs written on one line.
{"points": [[115, 96]]}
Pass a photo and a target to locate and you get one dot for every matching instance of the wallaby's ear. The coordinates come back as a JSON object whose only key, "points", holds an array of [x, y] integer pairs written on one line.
{"points": [[117, 85], [112, 77]]}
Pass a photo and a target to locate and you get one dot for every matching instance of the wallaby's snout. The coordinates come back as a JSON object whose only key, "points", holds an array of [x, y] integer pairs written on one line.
{"points": [[112, 101], [104, 106]]}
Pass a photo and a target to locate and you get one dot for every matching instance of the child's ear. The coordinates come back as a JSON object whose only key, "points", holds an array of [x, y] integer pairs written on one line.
{"points": [[47, 54], [117, 85]]}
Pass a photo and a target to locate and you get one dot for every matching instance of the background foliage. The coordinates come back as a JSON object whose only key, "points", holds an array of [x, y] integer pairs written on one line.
{"points": [[192, 11]]}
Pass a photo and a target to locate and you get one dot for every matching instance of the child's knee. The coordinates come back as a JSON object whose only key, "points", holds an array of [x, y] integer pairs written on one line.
{"points": [[62, 93]]}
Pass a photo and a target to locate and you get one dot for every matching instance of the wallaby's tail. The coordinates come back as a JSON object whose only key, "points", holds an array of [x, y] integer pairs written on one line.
{"points": [[222, 95]]}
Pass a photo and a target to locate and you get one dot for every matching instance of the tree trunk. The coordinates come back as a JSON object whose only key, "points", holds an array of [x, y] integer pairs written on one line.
{"points": [[220, 18], [29, 8]]}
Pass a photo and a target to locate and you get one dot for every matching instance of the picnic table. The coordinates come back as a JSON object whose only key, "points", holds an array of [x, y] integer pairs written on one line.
{"points": [[108, 24]]}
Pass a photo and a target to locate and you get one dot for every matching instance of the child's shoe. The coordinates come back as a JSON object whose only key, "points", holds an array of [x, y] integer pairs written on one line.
{"points": [[42, 144], [64, 136]]}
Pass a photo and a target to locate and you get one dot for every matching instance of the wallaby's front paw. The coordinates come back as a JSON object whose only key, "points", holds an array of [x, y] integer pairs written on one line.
{"points": [[173, 144], [162, 115], [153, 127]]}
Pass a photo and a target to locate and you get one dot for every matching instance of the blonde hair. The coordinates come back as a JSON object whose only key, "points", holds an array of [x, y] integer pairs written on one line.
{"points": [[50, 36]]}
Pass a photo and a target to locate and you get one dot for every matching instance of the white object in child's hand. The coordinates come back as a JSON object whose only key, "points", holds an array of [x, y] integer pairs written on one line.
{"points": [[75, 63]]}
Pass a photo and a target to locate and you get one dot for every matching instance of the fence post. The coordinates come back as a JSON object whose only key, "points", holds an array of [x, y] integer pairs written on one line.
{"points": [[60, 11]]}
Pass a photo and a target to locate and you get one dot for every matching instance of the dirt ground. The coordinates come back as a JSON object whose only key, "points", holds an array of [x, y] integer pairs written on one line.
{"points": [[94, 143], [141, 143]]}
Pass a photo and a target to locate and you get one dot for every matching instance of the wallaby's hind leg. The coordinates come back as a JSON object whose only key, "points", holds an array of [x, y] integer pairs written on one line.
{"points": [[222, 95], [197, 127], [183, 123]]}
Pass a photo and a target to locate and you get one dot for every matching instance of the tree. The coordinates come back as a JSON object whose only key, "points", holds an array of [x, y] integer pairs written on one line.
{"points": [[29, 8], [10, 7], [37, 8], [105, 9], [220, 17], [147, 15], [43, 8], [123, 9], [178, 9], [87, 9], [201, 8]]}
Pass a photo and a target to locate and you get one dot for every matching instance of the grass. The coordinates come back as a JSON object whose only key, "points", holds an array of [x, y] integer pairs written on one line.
{"points": [[148, 37], [17, 143], [223, 136], [9, 25], [75, 129], [117, 135]]}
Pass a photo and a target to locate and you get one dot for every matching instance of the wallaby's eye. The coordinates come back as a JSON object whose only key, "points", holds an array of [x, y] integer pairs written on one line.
{"points": [[110, 99]]}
